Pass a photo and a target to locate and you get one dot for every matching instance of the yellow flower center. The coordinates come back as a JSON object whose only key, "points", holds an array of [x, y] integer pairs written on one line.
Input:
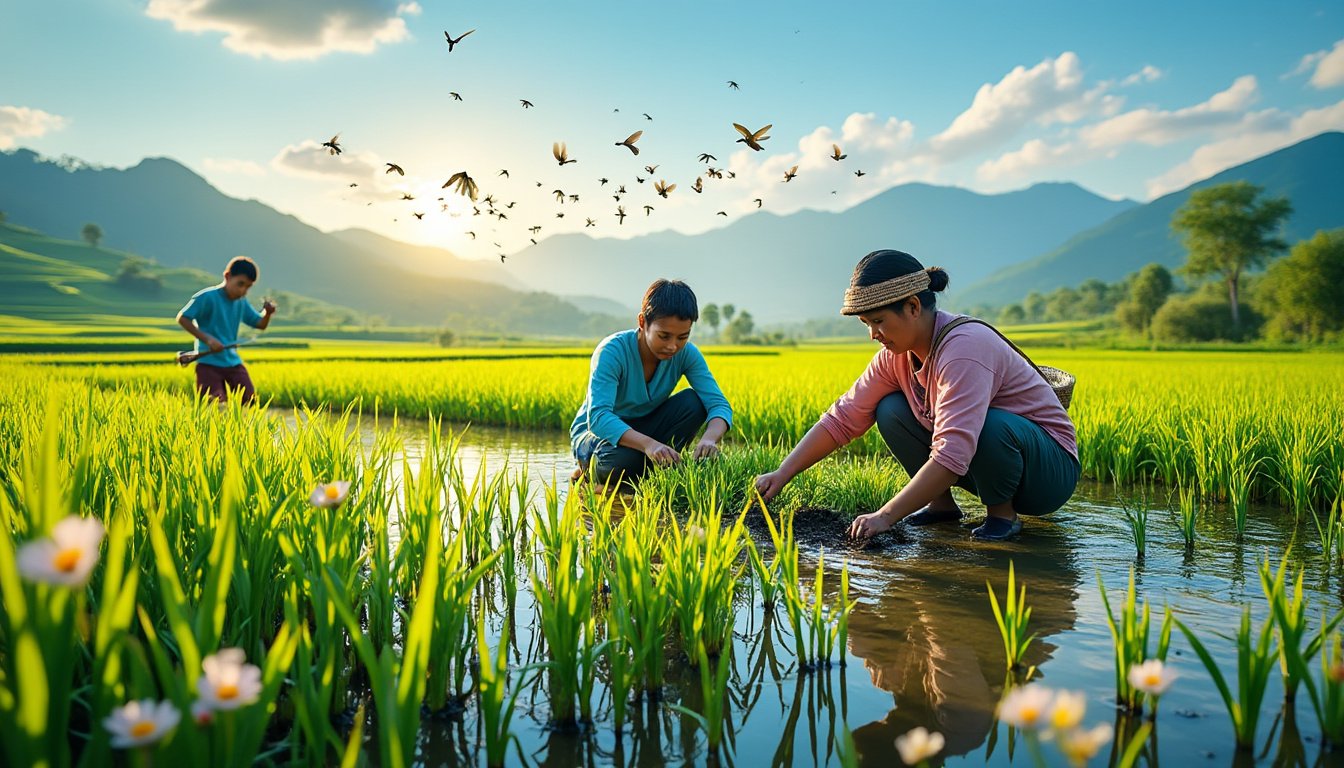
{"points": [[1030, 714], [227, 691], [1152, 680], [142, 729], [332, 491], [66, 560]]}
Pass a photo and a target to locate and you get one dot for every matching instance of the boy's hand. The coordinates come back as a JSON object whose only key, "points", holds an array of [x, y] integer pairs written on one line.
{"points": [[706, 448], [214, 344], [268, 307], [662, 454]]}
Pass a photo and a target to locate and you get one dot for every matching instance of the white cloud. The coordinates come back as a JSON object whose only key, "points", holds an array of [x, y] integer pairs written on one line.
{"points": [[1050, 92], [232, 166], [291, 29], [1156, 127], [1260, 134], [1329, 67], [26, 123], [1148, 74], [1032, 155]]}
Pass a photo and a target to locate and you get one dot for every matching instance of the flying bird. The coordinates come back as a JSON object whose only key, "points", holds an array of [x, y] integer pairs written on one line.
{"points": [[504, 172], [732, 175], [790, 174], [835, 153], [561, 153], [663, 188], [501, 258], [638, 180], [620, 213], [705, 157], [603, 182], [752, 139], [418, 215], [699, 185], [732, 84], [647, 117], [620, 190], [473, 235], [573, 198], [758, 202], [559, 195], [394, 167], [353, 184], [452, 41], [859, 174], [405, 196], [333, 146], [526, 104], [456, 96], [534, 230], [630, 140], [560, 215], [590, 223], [463, 185], [647, 210], [650, 169], [533, 239], [721, 213], [714, 173]]}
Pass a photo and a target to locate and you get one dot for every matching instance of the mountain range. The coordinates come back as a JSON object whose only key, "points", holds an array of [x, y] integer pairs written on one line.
{"points": [[780, 267]]}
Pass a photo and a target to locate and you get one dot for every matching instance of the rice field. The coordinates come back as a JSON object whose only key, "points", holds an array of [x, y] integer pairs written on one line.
{"points": [[319, 587]]}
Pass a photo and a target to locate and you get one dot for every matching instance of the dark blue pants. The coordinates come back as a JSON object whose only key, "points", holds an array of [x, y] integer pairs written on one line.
{"points": [[1015, 459], [673, 423]]}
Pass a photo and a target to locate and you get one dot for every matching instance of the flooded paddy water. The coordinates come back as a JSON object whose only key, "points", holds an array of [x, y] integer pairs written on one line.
{"points": [[923, 647]]}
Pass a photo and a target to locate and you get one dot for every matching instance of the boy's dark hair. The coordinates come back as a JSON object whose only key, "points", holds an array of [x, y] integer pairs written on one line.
{"points": [[241, 265], [669, 298], [881, 266]]}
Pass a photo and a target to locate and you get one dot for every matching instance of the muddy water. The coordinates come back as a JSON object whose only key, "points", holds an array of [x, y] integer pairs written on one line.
{"points": [[924, 649]]}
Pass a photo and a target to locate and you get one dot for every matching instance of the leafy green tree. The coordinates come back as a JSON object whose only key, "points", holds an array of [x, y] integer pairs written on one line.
{"points": [[728, 311], [710, 314], [92, 234], [1061, 304], [1034, 307], [1228, 229], [445, 337], [739, 329], [2, 217], [1148, 291], [1013, 314], [1302, 296]]}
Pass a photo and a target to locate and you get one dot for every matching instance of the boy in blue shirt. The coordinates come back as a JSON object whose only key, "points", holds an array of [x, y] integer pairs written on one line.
{"points": [[630, 417], [212, 316]]}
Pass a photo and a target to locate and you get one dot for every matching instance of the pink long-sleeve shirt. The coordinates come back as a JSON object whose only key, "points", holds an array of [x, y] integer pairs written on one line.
{"points": [[974, 370]]}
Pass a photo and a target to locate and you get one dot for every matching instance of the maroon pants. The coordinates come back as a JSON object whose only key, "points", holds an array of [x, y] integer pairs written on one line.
{"points": [[216, 382]]}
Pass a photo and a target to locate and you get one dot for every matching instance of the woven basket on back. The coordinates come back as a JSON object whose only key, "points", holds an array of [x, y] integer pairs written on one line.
{"points": [[1059, 380]]}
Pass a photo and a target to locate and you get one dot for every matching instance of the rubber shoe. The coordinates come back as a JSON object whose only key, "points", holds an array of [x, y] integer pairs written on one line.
{"points": [[997, 529], [927, 516]]}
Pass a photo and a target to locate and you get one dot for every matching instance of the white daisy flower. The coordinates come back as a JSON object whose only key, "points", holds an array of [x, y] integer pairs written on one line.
{"points": [[1152, 677], [918, 745], [330, 494], [228, 682], [67, 557], [137, 723]]}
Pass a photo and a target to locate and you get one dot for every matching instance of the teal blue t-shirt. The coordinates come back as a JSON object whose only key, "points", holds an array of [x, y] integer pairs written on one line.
{"points": [[616, 388], [218, 315]]}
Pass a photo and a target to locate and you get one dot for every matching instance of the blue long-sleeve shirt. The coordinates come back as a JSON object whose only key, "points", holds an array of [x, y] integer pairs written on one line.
{"points": [[616, 388]]}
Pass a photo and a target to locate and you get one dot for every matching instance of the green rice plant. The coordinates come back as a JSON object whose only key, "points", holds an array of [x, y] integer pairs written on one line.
{"points": [[1130, 639], [1327, 693], [1255, 663], [640, 607], [828, 624], [1301, 447], [702, 566], [564, 598], [714, 696], [621, 671], [1330, 532], [1289, 612], [1137, 517], [496, 702], [1188, 498], [1012, 619], [766, 576]]}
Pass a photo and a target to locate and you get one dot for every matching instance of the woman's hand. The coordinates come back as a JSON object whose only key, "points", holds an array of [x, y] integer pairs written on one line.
{"points": [[706, 448], [868, 525], [771, 483]]}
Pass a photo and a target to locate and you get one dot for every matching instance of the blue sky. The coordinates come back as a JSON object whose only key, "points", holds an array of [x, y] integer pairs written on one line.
{"points": [[1130, 100]]}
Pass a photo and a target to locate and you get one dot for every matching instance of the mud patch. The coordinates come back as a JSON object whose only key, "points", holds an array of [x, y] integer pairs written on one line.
{"points": [[817, 528]]}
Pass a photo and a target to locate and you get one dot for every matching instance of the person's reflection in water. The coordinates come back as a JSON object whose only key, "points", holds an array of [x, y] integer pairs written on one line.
{"points": [[929, 636]]}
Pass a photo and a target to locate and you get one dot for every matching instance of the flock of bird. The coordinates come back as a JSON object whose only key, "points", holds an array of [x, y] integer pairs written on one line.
{"points": [[462, 183]]}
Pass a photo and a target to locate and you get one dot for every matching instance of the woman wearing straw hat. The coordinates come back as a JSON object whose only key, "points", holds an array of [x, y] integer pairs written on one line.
{"points": [[980, 416]]}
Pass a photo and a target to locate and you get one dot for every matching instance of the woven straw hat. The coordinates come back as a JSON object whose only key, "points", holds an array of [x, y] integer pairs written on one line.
{"points": [[860, 299]]}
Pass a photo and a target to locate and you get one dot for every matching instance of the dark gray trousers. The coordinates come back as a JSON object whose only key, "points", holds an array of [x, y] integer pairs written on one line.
{"points": [[1015, 459], [674, 423]]}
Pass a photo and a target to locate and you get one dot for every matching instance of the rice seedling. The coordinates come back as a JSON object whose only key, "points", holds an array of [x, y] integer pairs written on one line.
{"points": [[1330, 531], [1130, 638], [497, 703], [714, 698], [702, 566], [1012, 620], [1255, 663], [1188, 499], [564, 598], [1289, 612], [1137, 517], [1327, 692], [640, 607]]}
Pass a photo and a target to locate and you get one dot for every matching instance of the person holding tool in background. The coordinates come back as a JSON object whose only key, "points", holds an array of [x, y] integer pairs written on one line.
{"points": [[212, 316]]}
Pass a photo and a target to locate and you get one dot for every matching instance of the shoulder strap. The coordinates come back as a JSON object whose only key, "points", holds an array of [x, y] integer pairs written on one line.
{"points": [[937, 339]]}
